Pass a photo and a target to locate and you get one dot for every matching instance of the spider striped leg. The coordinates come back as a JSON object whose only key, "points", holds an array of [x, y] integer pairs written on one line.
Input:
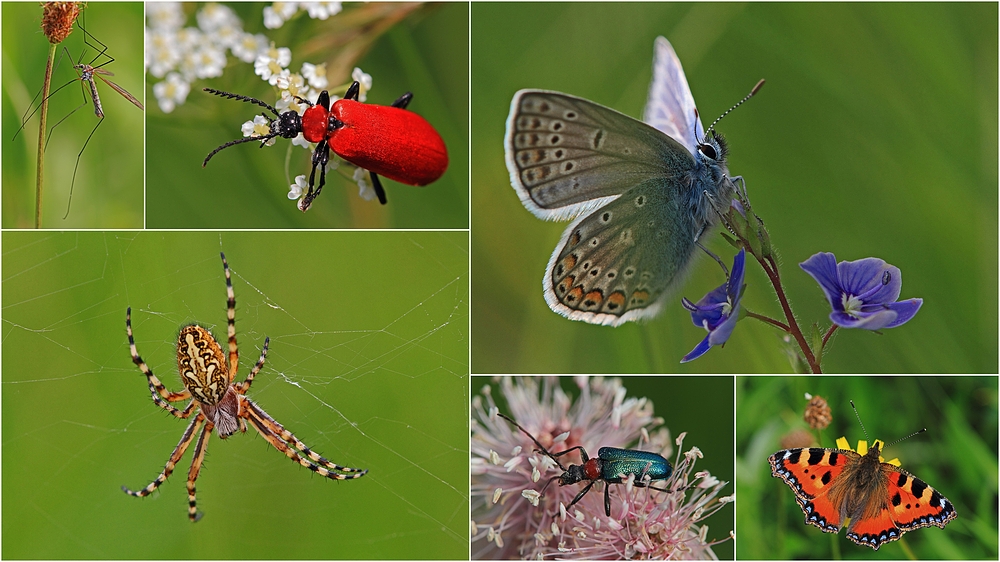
{"points": [[186, 439], [234, 352], [161, 396], [199, 457], [243, 387], [280, 438]]}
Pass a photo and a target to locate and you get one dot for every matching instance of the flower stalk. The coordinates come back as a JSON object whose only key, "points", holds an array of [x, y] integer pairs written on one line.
{"points": [[57, 24]]}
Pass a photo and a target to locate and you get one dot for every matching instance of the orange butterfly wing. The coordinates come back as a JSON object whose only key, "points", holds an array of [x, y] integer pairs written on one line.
{"points": [[809, 472], [912, 505]]}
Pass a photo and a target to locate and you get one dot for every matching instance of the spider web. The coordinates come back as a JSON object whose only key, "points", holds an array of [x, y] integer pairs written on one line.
{"points": [[367, 365]]}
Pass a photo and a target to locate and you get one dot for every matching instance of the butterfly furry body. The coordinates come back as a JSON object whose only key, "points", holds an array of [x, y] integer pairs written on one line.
{"points": [[640, 195], [881, 500]]}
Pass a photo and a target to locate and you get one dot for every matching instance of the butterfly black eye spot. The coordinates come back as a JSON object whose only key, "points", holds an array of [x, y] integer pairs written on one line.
{"points": [[708, 151], [629, 272], [557, 125], [595, 272], [586, 265], [598, 139], [568, 167], [611, 274], [595, 242], [570, 115], [555, 139], [606, 216], [640, 201], [558, 153]]}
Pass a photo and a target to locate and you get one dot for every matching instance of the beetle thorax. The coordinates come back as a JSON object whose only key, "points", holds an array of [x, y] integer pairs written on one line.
{"points": [[572, 475], [288, 125], [202, 365]]}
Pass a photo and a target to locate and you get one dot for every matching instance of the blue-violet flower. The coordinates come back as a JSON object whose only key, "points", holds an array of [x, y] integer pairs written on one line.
{"points": [[862, 293], [719, 310]]}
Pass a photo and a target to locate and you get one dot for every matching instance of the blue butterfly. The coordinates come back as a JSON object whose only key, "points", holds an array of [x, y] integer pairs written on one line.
{"points": [[641, 193]]}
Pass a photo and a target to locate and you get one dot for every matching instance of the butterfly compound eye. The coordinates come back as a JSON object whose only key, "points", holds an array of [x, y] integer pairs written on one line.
{"points": [[708, 150]]}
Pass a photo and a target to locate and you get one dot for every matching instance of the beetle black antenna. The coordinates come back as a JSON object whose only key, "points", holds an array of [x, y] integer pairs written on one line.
{"points": [[263, 139], [739, 103], [532, 437], [247, 99]]}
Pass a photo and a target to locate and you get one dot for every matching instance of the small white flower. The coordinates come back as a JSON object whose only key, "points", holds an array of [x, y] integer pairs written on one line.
{"points": [[228, 36], [276, 14], [259, 127], [298, 188], [249, 46], [271, 62], [315, 74], [300, 140], [189, 38], [321, 10], [165, 15], [171, 92], [282, 79], [209, 61], [365, 190], [215, 16], [163, 53], [365, 80]]}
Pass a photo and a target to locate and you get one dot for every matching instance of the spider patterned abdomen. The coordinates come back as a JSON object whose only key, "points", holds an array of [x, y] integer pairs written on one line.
{"points": [[201, 364]]}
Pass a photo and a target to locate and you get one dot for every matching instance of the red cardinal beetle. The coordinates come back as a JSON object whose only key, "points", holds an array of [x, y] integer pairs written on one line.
{"points": [[385, 140]]}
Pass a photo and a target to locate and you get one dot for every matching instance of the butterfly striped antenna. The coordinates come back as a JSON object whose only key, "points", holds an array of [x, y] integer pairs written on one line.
{"points": [[753, 92], [859, 419], [905, 438]]}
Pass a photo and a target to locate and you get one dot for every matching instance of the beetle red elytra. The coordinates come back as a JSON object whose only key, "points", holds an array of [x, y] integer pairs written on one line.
{"points": [[385, 140]]}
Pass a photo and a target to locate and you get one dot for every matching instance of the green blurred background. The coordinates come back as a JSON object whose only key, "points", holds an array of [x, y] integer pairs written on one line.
{"points": [[701, 406], [957, 456], [246, 187], [368, 365], [108, 189], [876, 135]]}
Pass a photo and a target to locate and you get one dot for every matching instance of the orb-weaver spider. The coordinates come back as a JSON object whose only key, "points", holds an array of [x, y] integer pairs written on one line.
{"points": [[219, 404]]}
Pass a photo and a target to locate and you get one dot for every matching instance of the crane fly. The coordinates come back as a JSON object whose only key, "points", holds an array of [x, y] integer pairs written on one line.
{"points": [[87, 74]]}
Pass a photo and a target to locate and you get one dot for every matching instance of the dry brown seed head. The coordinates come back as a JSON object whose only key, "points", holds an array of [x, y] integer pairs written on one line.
{"points": [[58, 18]]}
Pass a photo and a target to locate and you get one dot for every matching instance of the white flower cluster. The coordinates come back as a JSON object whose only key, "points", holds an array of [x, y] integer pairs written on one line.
{"points": [[184, 54], [181, 55], [278, 13]]}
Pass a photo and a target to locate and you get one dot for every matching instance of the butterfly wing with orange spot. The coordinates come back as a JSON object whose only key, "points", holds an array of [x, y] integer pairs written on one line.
{"points": [[912, 505], [809, 473]]}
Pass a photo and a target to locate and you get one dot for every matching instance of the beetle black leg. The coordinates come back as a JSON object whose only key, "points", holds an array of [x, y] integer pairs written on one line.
{"points": [[607, 499], [377, 185], [321, 156], [583, 453], [353, 91], [403, 100], [582, 493]]}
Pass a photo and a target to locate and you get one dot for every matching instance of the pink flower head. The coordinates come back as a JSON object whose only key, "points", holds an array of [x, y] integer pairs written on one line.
{"points": [[514, 518]]}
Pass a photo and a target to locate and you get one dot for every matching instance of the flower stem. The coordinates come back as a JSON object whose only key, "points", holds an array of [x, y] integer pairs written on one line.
{"points": [[40, 160], [826, 337], [768, 320], [771, 269]]}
